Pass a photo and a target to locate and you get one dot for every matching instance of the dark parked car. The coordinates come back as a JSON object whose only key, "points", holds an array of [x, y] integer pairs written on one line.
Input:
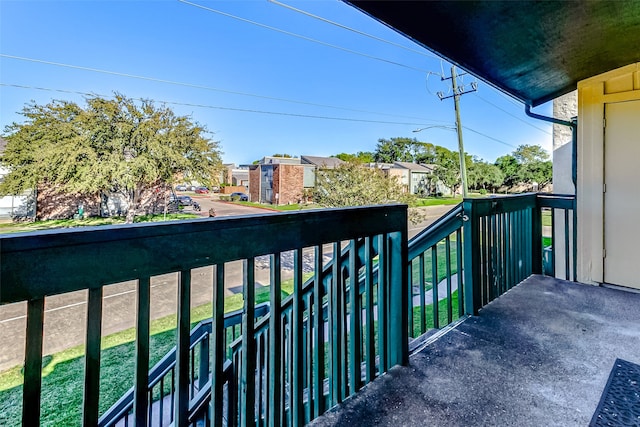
{"points": [[240, 196], [202, 190], [185, 200], [181, 187]]}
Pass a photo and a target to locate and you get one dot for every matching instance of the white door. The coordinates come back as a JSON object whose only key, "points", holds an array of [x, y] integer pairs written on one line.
{"points": [[622, 194]]}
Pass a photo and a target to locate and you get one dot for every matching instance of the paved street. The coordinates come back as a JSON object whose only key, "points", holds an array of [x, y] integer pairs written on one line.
{"points": [[65, 314]]}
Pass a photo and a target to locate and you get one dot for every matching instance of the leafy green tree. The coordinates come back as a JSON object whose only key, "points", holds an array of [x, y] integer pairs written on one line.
{"points": [[359, 157], [527, 164], [424, 152], [110, 145], [448, 167], [508, 164], [483, 175], [353, 184], [526, 154], [394, 150], [534, 164]]}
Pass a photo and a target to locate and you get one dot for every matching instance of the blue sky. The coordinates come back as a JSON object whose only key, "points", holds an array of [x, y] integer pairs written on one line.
{"points": [[225, 72]]}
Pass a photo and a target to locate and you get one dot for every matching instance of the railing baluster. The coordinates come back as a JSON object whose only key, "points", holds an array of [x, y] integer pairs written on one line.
{"points": [[260, 395], [318, 335], [448, 267], [460, 272], [296, 403], [203, 371], [308, 359], [33, 363], [275, 334], [161, 401], [382, 303], [567, 274], [412, 279], [344, 335], [335, 330], [192, 373], [218, 346], [370, 351], [434, 285], [140, 400], [248, 373], [355, 322], [554, 242], [422, 279], [182, 348], [92, 358]]}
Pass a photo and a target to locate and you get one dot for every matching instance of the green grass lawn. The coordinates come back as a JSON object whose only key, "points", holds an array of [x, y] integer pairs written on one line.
{"points": [[443, 315], [436, 201], [13, 227], [62, 374], [442, 264]]}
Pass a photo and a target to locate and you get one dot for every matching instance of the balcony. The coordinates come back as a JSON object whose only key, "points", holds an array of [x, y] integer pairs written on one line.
{"points": [[430, 304]]}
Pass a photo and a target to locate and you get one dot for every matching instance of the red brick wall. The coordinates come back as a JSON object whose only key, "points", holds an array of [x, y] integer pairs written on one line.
{"points": [[254, 185], [288, 183], [52, 204]]}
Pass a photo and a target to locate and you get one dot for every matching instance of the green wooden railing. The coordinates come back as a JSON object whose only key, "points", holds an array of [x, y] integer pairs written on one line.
{"points": [[356, 317], [504, 243], [162, 375], [435, 274], [295, 363]]}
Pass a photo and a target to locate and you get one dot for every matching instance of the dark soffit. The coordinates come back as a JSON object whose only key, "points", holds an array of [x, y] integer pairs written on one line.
{"points": [[533, 50]]}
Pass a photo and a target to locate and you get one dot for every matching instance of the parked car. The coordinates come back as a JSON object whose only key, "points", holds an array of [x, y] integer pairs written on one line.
{"points": [[185, 200], [181, 187], [240, 196], [202, 190]]}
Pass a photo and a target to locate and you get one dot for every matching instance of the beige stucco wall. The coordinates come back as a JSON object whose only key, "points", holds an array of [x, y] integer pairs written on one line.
{"points": [[564, 108], [618, 85]]}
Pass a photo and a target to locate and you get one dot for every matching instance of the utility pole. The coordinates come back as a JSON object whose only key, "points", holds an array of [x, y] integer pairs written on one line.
{"points": [[457, 93]]}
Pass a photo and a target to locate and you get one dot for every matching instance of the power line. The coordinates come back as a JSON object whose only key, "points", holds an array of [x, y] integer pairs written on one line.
{"points": [[216, 107], [490, 137], [245, 110], [344, 27], [289, 33], [195, 86], [513, 115]]}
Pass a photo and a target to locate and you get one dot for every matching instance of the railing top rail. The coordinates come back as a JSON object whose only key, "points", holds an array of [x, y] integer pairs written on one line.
{"points": [[46, 263], [438, 230], [558, 201], [499, 204]]}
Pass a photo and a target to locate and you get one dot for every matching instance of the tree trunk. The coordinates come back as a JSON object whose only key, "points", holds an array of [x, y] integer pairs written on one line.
{"points": [[131, 210]]}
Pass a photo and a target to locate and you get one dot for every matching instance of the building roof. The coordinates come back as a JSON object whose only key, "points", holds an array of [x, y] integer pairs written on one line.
{"points": [[532, 50], [272, 160], [322, 162], [414, 167]]}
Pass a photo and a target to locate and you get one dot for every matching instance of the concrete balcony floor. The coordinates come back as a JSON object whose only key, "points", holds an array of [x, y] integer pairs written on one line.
{"points": [[540, 355]]}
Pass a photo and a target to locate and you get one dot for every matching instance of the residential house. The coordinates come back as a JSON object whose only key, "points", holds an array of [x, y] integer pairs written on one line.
{"points": [[233, 175], [276, 180], [284, 180], [420, 178], [16, 206], [315, 163]]}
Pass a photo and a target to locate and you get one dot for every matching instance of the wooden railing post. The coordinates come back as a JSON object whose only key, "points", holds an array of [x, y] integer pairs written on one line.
{"points": [[536, 236], [398, 298], [471, 259]]}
